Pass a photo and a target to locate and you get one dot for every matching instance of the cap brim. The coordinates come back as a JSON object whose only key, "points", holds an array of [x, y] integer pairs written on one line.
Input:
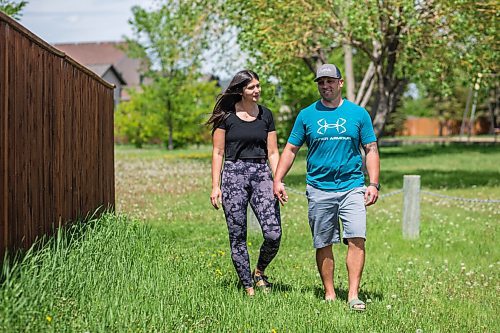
{"points": [[331, 77]]}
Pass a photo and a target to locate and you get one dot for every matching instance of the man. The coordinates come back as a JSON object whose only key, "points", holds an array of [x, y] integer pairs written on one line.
{"points": [[333, 129]]}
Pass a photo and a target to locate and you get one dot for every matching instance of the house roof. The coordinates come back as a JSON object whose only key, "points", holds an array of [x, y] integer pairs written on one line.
{"points": [[101, 70], [106, 53], [94, 53]]}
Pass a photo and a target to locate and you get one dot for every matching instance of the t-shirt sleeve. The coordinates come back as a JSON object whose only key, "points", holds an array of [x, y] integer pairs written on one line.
{"points": [[298, 134], [270, 122], [222, 124], [367, 132]]}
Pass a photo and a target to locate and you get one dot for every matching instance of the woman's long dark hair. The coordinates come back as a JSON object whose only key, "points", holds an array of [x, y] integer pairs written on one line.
{"points": [[229, 97]]}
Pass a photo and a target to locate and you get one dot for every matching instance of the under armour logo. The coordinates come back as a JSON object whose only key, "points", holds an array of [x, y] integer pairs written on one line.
{"points": [[339, 126]]}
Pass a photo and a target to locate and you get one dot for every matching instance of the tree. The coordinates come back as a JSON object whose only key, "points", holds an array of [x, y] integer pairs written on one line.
{"points": [[142, 119], [138, 120], [171, 38], [12, 8], [396, 41]]}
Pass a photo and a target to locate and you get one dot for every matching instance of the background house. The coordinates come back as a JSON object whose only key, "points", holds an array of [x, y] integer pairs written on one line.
{"points": [[110, 61], [111, 75]]}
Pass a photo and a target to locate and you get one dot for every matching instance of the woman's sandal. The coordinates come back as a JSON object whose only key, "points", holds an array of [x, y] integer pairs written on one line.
{"points": [[261, 282]]}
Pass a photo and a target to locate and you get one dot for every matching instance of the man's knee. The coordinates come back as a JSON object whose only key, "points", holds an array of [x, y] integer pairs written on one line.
{"points": [[356, 242], [325, 249]]}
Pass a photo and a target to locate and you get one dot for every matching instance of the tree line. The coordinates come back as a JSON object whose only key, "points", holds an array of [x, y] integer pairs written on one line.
{"points": [[385, 49]]}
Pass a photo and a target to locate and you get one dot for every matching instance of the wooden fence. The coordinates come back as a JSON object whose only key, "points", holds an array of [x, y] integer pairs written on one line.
{"points": [[56, 138], [423, 126]]}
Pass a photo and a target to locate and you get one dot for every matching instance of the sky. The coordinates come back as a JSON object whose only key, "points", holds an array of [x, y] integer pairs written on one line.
{"points": [[62, 21], [74, 21]]}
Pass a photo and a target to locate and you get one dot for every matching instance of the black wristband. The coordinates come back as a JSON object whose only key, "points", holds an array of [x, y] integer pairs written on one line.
{"points": [[376, 185]]}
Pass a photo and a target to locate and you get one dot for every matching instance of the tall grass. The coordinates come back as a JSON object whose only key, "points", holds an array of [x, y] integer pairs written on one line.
{"points": [[163, 263]]}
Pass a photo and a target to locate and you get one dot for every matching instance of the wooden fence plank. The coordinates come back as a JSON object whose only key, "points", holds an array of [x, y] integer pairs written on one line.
{"points": [[4, 136]]}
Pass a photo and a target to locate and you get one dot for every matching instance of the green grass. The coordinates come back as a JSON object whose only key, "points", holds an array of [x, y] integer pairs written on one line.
{"points": [[163, 264]]}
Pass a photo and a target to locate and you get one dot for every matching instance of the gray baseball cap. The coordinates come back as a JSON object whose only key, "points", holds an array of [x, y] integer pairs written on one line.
{"points": [[327, 70]]}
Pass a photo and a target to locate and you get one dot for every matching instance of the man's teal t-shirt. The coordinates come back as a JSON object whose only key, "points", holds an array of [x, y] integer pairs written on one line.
{"points": [[333, 136]]}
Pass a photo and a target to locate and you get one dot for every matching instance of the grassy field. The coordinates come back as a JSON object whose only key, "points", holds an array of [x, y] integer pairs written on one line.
{"points": [[163, 264]]}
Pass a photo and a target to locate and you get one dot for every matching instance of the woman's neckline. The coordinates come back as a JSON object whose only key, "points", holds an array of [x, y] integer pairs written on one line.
{"points": [[252, 120]]}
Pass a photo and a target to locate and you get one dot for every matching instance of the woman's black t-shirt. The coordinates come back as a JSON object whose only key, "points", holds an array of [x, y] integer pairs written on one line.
{"points": [[247, 139]]}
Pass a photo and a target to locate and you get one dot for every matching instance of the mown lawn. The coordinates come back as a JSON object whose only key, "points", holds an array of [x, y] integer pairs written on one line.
{"points": [[163, 264]]}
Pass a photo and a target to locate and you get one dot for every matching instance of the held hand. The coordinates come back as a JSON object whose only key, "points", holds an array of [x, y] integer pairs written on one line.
{"points": [[371, 195], [216, 197], [279, 192]]}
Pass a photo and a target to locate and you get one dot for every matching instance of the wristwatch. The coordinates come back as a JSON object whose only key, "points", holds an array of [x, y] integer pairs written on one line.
{"points": [[376, 185]]}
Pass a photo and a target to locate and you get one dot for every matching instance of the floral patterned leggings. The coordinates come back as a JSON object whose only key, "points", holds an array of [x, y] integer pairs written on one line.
{"points": [[250, 182]]}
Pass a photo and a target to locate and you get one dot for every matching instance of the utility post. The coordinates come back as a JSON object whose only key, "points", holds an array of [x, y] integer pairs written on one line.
{"points": [[411, 206]]}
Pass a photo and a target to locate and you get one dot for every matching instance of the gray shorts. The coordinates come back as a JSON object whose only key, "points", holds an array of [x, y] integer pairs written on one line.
{"points": [[325, 209]]}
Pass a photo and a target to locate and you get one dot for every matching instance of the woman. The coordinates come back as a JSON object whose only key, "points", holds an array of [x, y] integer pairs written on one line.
{"points": [[245, 137]]}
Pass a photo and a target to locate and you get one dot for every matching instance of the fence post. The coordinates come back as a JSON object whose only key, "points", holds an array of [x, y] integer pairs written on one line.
{"points": [[411, 206]]}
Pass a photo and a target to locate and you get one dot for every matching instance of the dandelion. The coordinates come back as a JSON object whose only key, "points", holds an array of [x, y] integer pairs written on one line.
{"points": [[218, 272], [274, 330], [49, 318], [389, 306]]}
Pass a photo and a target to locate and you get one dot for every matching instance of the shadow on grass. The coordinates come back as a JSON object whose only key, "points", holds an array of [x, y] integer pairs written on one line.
{"points": [[342, 294], [436, 179], [429, 178], [277, 286], [437, 149]]}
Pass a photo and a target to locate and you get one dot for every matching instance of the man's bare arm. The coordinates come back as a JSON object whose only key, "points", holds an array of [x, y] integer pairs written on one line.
{"points": [[373, 168], [284, 165]]}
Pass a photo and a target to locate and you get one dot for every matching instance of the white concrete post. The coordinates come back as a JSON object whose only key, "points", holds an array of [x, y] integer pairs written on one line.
{"points": [[411, 206]]}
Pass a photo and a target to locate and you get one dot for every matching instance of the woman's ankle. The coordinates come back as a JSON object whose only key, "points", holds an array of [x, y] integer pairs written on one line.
{"points": [[250, 291]]}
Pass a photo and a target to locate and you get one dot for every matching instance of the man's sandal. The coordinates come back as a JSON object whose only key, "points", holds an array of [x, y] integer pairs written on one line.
{"points": [[357, 305], [261, 282]]}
